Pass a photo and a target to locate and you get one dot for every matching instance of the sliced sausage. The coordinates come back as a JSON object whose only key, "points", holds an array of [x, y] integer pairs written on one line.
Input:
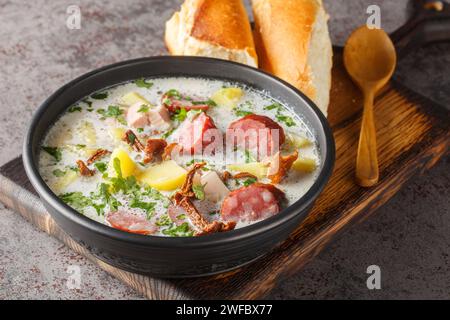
{"points": [[129, 222], [255, 202], [252, 131], [194, 135]]}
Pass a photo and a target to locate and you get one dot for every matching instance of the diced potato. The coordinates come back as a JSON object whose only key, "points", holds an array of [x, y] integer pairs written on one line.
{"points": [[256, 168], [116, 133], [304, 165], [166, 176], [87, 130], [298, 141], [127, 165], [227, 97], [132, 98], [63, 182]]}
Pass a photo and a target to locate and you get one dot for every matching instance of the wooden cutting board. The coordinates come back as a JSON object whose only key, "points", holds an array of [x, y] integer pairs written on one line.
{"points": [[413, 133]]}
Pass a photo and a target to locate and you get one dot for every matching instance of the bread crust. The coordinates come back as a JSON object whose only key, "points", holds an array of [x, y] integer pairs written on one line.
{"points": [[213, 24], [283, 34]]}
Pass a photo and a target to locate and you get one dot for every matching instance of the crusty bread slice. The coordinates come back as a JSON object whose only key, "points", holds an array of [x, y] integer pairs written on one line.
{"points": [[212, 28], [293, 43]]}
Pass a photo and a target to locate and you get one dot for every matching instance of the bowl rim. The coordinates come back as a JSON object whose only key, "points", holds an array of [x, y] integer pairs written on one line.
{"points": [[253, 230]]}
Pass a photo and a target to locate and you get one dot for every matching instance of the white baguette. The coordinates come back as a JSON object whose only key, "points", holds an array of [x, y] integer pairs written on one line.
{"points": [[293, 43]]}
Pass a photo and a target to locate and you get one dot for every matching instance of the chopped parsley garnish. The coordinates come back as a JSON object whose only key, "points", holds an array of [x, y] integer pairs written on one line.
{"points": [[213, 213], [113, 112], [172, 93], [182, 230], [88, 102], [54, 152], [144, 108], [242, 113], [280, 116], [76, 200], [199, 191], [249, 157], [140, 130], [148, 207], [286, 119], [163, 220], [101, 166], [181, 216], [80, 146], [75, 109], [99, 95], [275, 106], [250, 181], [131, 137], [208, 102], [167, 134], [142, 83], [180, 115], [59, 173]]}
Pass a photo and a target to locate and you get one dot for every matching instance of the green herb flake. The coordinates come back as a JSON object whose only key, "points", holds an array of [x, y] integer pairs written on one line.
{"points": [[242, 113], [140, 130], [142, 83], [164, 221], [54, 152], [249, 158], [168, 134], [172, 93], [58, 173], [286, 119], [180, 115], [76, 200], [75, 109], [182, 230], [250, 181], [101, 166], [144, 108], [99, 95], [274, 106], [148, 207], [199, 191]]}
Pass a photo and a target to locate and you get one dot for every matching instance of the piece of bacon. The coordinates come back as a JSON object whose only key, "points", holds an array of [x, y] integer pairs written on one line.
{"points": [[154, 149], [84, 170], [131, 138], [100, 153], [280, 166]]}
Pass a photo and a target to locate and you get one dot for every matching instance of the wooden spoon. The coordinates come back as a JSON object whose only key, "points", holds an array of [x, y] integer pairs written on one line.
{"points": [[370, 59]]}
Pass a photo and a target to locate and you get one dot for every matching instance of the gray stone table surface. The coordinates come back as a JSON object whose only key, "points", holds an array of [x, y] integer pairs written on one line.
{"points": [[408, 238]]}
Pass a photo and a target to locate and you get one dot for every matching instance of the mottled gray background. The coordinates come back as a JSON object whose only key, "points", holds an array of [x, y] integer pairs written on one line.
{"points": [[408, 238]]}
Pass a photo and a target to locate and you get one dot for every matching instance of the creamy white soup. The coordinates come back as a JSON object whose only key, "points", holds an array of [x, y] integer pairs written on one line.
{"points": [[179, 156]]}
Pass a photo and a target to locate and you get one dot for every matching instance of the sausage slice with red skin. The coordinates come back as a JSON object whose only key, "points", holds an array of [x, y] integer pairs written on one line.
{"points": [[190, 135], [253, 129], [255, 202], [129, 222]]}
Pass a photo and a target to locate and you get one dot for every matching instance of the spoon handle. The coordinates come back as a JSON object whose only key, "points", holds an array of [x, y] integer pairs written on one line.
{"points": [[367, 161]]}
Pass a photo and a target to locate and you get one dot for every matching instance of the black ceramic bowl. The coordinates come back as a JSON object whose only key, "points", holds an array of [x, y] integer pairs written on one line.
{"points": [[177, 257]]}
